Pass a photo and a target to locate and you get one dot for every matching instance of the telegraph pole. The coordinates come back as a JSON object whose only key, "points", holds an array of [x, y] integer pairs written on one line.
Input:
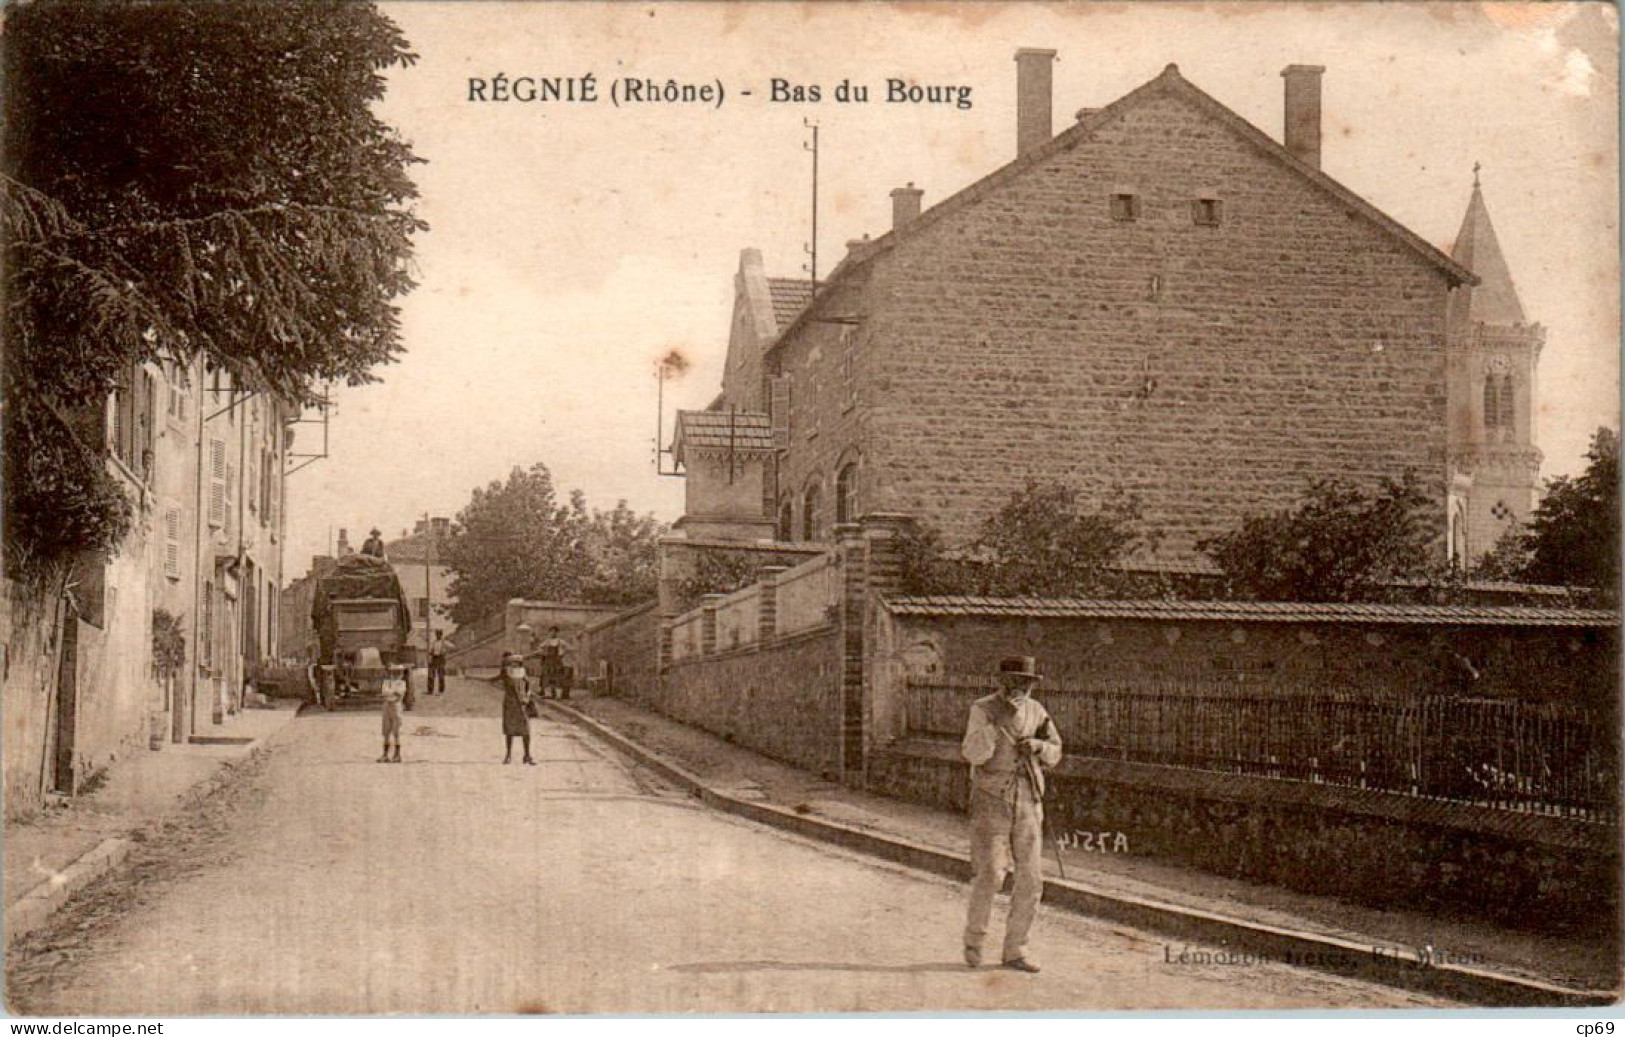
{"points": [[428, 596], [812, 248]]}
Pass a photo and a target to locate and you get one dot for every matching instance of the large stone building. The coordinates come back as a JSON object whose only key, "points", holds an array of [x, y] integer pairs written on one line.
{"points": [[245, 441], [1160, 300]]}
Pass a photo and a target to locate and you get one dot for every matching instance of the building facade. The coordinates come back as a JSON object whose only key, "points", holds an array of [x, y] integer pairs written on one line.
{"points": [[427, 582], [1162, 302], [149, 643]]}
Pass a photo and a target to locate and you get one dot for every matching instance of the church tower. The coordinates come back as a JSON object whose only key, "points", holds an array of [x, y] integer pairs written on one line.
{"points": [[1492, 355]]}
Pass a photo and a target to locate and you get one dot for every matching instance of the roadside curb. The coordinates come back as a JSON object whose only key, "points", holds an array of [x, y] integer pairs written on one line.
{"points": [[1231, 936], [36, 907]]}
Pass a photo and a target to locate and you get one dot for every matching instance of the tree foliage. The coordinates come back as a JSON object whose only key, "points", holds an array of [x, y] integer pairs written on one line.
{"points": [[1043, 542], [1340, 543], [168, 643], [718, 572], [517, 539], [1573, 536], [624, 548], [189, 179], [1506, 561]]}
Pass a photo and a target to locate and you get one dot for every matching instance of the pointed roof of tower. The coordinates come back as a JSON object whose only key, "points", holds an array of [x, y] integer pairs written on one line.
{"points": [[1495, 300]]}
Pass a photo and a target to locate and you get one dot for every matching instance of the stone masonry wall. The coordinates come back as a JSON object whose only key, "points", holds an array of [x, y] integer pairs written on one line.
{"points": [[1209, 370], [781, 699], [831, 366], [1525, 871], [626, 649]]}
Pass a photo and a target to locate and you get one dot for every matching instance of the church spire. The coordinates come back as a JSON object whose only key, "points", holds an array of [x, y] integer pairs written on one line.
{"points": [[1495, 300]]}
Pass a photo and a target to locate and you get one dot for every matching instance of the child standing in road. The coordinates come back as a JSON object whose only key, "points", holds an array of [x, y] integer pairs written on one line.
{"points": [[392, 722]]}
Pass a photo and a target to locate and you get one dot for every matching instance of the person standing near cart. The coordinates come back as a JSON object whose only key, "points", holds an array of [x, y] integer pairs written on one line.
{"points": [[1009, 742], [554, 677], [437, 663]]}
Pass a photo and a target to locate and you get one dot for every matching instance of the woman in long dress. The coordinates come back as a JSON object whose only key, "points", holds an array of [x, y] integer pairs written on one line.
{"points": [[515, 697]]}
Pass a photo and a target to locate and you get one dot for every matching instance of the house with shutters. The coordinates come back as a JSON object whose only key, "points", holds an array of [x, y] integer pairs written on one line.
{"points": [[245, 439], [201, 460], [1161, 300]]}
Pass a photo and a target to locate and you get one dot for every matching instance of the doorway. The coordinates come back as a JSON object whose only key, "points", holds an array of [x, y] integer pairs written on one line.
{"points": [[63, 776]]}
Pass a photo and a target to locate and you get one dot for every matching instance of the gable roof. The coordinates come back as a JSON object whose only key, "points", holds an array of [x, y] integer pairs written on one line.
{"points": [[1168, 83], [790, 296], [1495, 300]]}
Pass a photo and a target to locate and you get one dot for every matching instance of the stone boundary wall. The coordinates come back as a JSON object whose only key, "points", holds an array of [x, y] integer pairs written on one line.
{"points": [[618, 655], [1521, 870], [780, 697]]}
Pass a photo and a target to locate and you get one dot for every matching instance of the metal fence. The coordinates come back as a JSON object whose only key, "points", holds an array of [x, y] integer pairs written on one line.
{"points": [[1549, 758]]}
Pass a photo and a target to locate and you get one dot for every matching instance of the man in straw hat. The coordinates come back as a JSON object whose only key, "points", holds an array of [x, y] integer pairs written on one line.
{"points": [[1009, 741]]}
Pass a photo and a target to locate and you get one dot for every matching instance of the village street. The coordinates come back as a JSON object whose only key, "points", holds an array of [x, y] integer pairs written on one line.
{"points": [[453, 884]]}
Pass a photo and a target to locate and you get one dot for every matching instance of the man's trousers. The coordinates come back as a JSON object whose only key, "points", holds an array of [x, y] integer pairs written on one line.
{"points": [[1005, 834]]}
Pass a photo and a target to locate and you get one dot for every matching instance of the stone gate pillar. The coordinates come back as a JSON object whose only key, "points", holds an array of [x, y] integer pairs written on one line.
{"points": [[852, 554]]}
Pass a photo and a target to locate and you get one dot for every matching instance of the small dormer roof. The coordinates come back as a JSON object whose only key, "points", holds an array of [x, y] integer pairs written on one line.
{"points": [[717, 433]]}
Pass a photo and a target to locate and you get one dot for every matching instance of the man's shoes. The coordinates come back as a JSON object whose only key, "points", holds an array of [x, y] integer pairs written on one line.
{"points": [[1022, 965], [973, 956], [530, 761], [384, 758]]}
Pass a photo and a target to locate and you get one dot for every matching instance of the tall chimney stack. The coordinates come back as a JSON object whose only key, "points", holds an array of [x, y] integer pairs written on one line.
{"points": [[905, 204], [1035, 77], [1302, 124]]}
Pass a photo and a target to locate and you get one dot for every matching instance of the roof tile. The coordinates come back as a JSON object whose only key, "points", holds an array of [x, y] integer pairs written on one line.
{"points": [[1257, 611]]}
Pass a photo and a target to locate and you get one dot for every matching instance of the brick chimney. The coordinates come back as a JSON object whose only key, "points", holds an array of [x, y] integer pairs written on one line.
{"points": [[344, 543], [1034, 79], [1301, 133], [905, 204]]}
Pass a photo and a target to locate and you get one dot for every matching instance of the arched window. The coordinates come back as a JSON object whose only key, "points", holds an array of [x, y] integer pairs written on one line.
{"points": [[1492, 401], [1457, 536], [809, 513], [846, 493], [787, 521], [1505, 419]]}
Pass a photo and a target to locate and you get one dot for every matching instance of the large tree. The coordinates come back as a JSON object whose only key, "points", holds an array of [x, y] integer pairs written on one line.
{"points": [[187, 179], [624, 547], [517, 539], [1573, 536], [1341, 542]]}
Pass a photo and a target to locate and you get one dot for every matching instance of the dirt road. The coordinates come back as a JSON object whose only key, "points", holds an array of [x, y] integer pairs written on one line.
{"points": [[328, 883]]}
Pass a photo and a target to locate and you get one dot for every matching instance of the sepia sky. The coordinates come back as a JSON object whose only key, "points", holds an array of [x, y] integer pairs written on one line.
{"points": [[572, 245]]}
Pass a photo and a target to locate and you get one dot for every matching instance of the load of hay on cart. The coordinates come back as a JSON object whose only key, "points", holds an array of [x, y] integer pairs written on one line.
{"points": [[362, 627]]}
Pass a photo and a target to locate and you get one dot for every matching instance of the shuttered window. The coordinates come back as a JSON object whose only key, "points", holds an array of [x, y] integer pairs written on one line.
{"points": [[172, 543], [779, 411], [273, 493], [206, 627], [217, 482], [118, 428]]}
